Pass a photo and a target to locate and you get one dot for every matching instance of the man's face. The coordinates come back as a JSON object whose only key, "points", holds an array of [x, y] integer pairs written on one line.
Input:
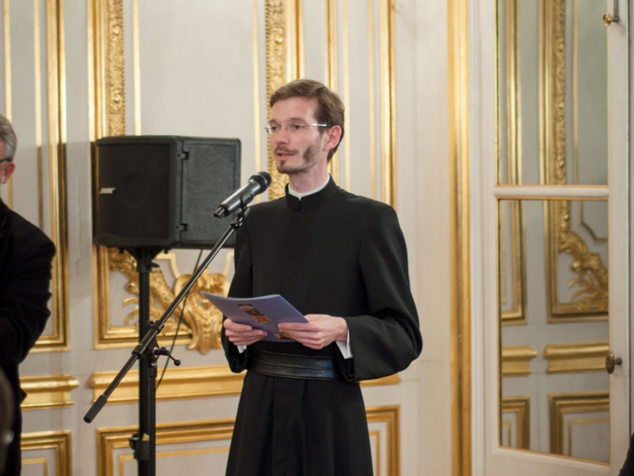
{"points": [[6, 167], [301, 150]]}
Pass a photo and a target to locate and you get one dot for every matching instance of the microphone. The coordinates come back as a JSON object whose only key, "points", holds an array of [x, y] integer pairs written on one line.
{"points": [[258, 183]]}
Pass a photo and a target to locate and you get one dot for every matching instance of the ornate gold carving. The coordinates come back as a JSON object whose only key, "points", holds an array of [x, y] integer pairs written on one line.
{"points": [[115, 88], [592, 295], [520, 406], [50, 391], [199, 317], [279, 67], [59, 441], [561, 404], [516, 360], [576, 357]]}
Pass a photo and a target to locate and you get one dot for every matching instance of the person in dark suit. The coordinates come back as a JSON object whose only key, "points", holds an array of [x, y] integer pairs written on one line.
{"points": [[26, 254]]}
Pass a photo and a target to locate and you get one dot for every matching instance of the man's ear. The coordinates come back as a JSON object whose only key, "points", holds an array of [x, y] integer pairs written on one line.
{"points": [[9, 167], [334, 136]]}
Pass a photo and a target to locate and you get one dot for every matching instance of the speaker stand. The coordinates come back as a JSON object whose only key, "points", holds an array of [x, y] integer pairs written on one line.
{"points": [[144, 441]]}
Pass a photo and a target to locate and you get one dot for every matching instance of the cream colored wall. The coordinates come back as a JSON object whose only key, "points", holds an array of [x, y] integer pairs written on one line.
{"points": [[424, 211], [422, 198]]}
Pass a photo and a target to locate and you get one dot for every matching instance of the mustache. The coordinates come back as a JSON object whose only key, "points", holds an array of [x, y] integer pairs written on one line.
{"points": [[283, 150]]}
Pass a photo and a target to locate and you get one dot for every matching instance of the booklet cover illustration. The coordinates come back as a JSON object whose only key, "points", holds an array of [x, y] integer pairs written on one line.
{"points": [[263, 312]]}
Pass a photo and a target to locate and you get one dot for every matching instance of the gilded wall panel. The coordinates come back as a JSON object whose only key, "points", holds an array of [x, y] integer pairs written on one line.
{"points": [[515, 431], [588, 411], [49, 453], [33, 98], [205, 443]]}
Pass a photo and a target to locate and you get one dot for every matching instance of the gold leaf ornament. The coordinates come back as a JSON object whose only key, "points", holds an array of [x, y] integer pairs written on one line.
{"points": [[200, 319]]}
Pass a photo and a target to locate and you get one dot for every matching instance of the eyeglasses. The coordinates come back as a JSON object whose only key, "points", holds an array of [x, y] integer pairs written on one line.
{"points": [[292, 128]]}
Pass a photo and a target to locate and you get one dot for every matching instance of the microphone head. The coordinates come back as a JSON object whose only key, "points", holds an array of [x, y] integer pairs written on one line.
{"points": [[263, 179]]}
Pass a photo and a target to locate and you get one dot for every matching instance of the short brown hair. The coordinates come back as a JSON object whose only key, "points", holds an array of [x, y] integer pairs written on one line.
{"points": [[330, 109]]}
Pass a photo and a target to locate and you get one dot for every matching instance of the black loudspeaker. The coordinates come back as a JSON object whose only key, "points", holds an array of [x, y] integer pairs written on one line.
{"points": [[162, 191]]}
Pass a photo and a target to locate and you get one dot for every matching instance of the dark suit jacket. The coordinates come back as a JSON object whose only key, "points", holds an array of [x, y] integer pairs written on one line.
{"points": [[25, 275]]}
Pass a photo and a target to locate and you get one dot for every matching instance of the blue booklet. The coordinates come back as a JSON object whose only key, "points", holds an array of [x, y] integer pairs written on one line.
{"points": [[263, 312]]}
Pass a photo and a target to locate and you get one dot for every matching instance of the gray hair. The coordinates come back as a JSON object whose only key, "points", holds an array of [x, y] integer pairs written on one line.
{"points": [[7, 135]]}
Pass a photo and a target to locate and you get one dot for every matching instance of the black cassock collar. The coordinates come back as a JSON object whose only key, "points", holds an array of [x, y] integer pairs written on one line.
{"points": [[313, 201]]}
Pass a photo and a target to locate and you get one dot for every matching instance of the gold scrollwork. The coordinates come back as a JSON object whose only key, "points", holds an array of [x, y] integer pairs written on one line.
{"points": [[200, 318], [591, 297], [281, 53]]}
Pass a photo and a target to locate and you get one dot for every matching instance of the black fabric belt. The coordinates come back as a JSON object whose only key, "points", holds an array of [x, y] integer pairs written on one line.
{"points": [[306, 367]]}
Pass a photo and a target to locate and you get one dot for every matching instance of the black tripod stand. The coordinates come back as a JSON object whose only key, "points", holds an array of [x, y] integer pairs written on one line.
{"points": [[147, 351]]}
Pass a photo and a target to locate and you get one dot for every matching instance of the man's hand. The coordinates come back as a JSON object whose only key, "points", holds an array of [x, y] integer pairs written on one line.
{"points": [[320, 331], [242, 334]]}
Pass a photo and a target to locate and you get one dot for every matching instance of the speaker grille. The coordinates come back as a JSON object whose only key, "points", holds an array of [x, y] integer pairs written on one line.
{"points": [[161, 191]]}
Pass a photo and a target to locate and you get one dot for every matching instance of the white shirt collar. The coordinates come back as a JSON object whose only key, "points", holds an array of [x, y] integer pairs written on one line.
{"points": [[305, 194]]}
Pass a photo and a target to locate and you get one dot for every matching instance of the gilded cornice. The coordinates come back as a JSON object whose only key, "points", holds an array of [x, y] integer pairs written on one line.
{"points": [[576, 357], [50, 391], [190, 382], [516, 360]]}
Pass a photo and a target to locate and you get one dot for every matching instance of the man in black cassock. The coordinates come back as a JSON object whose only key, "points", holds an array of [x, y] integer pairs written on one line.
{"points": [[341, 260], [25, 276]]}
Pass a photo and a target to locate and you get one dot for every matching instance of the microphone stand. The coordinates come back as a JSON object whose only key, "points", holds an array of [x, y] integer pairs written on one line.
{"points": [[147, 351]]}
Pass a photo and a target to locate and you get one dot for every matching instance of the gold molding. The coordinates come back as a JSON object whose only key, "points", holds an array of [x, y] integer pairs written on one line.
{"points": [[516, 360], [49, 391], [512, 166], [283, 48], [110, 440], [189, 382], [390, 415], [458, 74], [590, 301], [516, 315], [117, 438], [59, 338], [201, 321], [177, 383], [387, 67], [576, 357], [520, 406], [560, 404], [109, 119], [59, 441]]}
